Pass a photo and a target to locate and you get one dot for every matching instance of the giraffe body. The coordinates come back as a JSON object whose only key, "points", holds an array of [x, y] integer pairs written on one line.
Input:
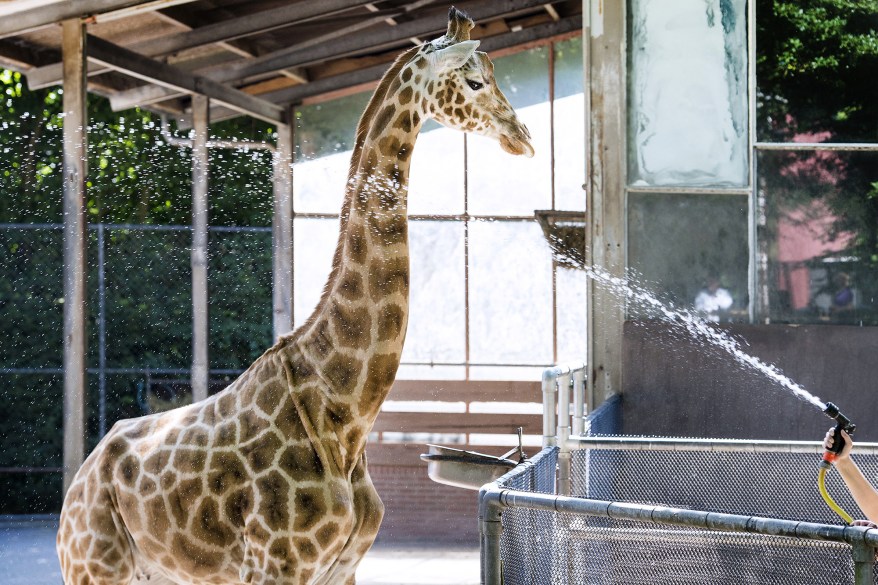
{"points": [[266, 482]]}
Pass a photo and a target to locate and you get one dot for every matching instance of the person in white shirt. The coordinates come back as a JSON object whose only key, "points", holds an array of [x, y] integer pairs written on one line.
{"points": [[713, 300]]}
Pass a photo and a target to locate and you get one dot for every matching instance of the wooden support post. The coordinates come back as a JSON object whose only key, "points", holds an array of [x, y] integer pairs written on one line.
{"points": [[282, 233], [200, 162], [604, 39], [75, 124]]}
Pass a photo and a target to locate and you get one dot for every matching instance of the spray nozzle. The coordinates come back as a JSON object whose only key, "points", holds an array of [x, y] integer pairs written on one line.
{"points": [[842, 423]]}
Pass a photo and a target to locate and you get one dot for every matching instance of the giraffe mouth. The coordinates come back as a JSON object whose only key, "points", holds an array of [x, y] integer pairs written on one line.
{"points": [[516, 145]]}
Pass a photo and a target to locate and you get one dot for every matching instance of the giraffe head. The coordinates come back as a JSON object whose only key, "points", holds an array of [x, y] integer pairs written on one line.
{"points": [[460, 90]]}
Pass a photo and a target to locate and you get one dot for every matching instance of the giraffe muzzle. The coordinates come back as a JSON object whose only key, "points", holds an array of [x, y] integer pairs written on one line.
{"points": [[518, 142]]}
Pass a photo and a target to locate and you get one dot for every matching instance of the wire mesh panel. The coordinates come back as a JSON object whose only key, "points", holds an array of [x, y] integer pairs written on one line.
{"points": [[602, 551], [528, 550], [544, 546], [777, 485]]}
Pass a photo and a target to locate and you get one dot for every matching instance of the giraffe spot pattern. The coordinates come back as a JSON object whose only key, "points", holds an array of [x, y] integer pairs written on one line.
{"points": [[391, 319], [342, 371], [310, 506], [389, 277], [274, 506], [301, 462], [208, 527], [352, 326]]}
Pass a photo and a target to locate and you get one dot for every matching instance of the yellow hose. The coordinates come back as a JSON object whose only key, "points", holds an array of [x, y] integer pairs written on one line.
{"points": [[821, 485]]}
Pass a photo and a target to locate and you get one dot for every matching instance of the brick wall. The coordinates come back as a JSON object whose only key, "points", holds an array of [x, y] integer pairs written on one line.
{"points": [[419, 510]]}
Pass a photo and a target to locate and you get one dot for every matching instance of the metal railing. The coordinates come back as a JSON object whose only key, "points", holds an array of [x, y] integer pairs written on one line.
{"points": [[613, 509]]}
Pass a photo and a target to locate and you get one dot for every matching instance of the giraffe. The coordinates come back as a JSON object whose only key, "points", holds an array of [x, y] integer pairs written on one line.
{"points": [[266, 481]]}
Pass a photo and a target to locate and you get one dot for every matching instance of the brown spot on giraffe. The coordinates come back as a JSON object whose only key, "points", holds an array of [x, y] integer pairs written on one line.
{"points": [[311, 507], [391, 320], [351, 285], [352, 326]]}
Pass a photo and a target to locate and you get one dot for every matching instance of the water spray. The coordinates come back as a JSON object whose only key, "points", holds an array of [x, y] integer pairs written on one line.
{"points": [[842, 423]]}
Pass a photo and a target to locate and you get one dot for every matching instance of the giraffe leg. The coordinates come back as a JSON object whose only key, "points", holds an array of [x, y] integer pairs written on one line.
{"points": [[368, 512], [92, 543]]}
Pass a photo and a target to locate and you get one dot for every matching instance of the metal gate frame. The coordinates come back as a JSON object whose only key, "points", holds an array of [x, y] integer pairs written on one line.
{"points": [[557, 384]]}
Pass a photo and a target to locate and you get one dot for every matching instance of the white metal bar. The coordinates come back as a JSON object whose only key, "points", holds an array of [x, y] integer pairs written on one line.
{"points": [[712, 445], [579, 406], [689, 190], [74, 157], [834, 146], [550, 379], [564, 433], [200, 108]]}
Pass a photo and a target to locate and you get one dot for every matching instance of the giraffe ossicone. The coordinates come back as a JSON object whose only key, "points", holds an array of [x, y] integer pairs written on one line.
{"points": [[266, 481]]}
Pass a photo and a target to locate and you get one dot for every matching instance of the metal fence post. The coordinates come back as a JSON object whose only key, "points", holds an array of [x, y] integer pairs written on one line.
{"points": [[864, 563], [563, 431], [549, 424], [102, 335], [490, 529]]}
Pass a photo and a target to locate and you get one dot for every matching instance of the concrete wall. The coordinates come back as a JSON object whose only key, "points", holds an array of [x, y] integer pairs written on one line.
{"points": [[674, 386]]}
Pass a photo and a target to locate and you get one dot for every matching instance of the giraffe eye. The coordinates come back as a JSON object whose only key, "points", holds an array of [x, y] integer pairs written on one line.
{"points": [[474, 85]]}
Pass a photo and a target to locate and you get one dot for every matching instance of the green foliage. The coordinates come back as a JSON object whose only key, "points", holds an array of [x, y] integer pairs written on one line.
{"points": [[134, 177]]}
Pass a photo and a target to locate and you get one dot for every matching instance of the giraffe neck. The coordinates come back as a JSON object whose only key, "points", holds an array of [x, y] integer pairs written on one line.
{"points": [[354, 338]]}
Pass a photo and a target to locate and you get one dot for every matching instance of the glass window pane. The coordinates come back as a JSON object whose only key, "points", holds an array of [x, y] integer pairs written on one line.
{"points": [[437, 326], [680, 244], [436, 176], [688, 93], [324, 139], [819, 233], [569, 126], [314, 243], [498, 182], [510, 294], [570, 286], [815, 71]]}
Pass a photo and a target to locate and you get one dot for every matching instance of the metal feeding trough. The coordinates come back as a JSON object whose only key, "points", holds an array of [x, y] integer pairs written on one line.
{"points": [[565, 233], [468, 469]]}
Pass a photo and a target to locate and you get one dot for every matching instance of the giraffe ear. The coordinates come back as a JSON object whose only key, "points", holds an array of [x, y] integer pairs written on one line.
{"points": [[459, 25], [454, 56]]}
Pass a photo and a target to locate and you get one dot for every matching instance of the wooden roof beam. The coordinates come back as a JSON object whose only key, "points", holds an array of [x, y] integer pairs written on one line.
{"points": [[29, 19], [221, 32], [298, 93], [135, 64]]}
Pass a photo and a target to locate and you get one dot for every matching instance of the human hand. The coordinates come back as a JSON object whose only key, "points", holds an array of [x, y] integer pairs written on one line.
{"points": [[864, 523], [829, 441]]}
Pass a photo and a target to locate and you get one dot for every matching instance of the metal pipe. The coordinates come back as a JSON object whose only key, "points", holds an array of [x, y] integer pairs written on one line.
{"points": [[564, 433], [549, 427], [718, 445], [834, 146], [490, 531], [102, 336], [691, 518], [579, 406], [169, 137], [864, 563]]}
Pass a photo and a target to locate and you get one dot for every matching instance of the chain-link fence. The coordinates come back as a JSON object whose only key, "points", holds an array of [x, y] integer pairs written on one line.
{"points": [[725, 513], [139, 334]]}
